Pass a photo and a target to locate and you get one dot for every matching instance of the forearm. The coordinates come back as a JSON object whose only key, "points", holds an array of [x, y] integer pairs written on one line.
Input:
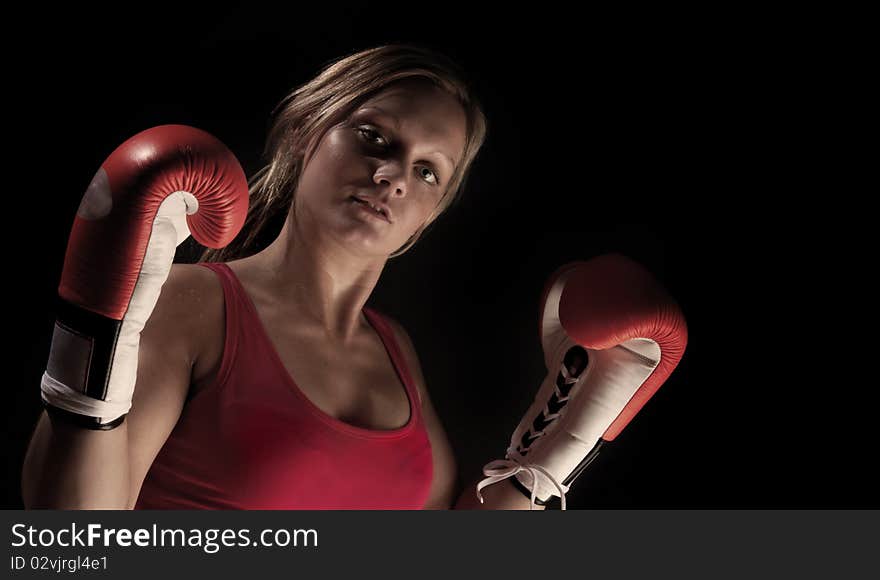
{"points": [[498, 496], [69, 467]]}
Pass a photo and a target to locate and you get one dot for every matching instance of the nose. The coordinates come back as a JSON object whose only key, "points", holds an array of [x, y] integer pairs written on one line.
{"points": [[391, 176]]}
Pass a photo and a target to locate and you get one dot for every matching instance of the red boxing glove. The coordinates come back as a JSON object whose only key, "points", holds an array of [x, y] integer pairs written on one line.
{"points": [[611, 336], [150, 194]]}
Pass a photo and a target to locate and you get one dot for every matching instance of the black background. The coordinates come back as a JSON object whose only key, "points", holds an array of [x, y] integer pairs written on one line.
{"points": [[660, 136]]}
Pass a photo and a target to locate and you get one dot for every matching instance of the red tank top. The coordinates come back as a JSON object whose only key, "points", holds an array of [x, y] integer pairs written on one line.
{"points": [[253, 440]]}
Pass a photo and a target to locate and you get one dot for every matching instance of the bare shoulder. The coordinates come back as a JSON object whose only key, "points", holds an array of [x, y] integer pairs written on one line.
{"points": [[190, 286], [190, 312]]}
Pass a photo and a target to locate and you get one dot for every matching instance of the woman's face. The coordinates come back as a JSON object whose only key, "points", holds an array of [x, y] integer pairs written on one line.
{"points": [[399, 149]]}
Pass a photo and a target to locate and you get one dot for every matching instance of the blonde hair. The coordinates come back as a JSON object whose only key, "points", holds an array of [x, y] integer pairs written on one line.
{"points": [[303, 117]]}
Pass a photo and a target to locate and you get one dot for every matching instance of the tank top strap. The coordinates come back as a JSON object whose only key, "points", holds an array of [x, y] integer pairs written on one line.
{"points": [[231, 285], [235, 306], [386, 333], [231, 289]]}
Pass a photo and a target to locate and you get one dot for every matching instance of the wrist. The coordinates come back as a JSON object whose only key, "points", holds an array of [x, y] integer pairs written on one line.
{"points": [[58, 415]]}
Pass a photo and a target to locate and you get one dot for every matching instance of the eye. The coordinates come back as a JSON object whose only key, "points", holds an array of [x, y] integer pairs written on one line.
{"points": [[370, 134], [434, 176]]}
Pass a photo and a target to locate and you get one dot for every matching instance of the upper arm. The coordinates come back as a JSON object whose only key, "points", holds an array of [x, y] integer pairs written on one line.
{"points": [[169, 346], [445, 469]]}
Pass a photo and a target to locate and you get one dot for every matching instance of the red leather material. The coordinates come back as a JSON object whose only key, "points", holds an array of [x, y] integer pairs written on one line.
{"points": [[105, 254], [611, 299]]}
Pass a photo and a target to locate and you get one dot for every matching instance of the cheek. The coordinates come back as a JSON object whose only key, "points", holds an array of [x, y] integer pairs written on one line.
{"points": [[340, 154], [418, 213], [333, 163]]}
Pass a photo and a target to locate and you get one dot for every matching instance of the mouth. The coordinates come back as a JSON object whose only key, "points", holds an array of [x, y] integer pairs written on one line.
{"points": [[377, 211]]}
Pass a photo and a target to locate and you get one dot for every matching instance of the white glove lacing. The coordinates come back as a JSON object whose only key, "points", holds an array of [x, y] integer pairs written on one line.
{"points": [[501, 469]]}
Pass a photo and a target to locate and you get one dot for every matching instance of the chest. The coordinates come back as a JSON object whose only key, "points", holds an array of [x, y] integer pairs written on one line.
{"points": [[357, 384]]}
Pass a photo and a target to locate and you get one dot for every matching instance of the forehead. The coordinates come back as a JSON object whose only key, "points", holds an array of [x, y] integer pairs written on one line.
{"points": [[412, 96]]}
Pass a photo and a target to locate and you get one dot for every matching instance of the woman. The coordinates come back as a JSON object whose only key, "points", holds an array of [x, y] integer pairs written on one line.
{"points": [[263, 382]]}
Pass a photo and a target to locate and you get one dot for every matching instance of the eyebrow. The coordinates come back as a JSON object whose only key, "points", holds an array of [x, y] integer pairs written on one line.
{"points": [[397, 126]]}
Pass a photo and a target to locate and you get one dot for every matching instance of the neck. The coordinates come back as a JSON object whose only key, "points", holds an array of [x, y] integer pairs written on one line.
{"points": [[324, 285]]}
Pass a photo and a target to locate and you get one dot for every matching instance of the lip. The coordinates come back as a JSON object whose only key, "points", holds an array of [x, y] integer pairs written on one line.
{"points": [[386, 216]]}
